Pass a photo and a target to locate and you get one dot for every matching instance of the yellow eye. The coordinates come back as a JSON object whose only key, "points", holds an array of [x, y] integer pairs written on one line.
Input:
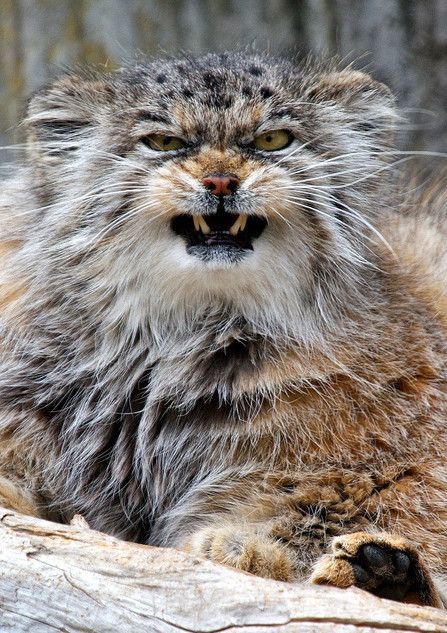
{"points": [[162, 143], [274, 140]]}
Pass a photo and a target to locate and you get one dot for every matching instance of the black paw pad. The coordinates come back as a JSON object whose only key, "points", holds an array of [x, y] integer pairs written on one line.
{"points": [[401, 562], [376, 558], [362, 578], [383, 571]]}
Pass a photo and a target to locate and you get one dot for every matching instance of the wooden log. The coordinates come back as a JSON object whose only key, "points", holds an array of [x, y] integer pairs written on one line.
{"points": [[72, 579]]}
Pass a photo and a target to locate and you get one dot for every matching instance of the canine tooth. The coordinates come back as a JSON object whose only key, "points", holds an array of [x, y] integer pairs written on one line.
{"points": [[239, 225], [200, 224], [204, 226]]}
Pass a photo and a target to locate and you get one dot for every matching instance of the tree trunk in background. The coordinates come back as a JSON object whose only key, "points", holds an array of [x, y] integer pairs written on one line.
{"points": [[402, 42]]}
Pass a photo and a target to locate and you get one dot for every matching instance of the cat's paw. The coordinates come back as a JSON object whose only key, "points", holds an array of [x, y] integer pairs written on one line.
{"points": [[244, 549], [385, 565]]}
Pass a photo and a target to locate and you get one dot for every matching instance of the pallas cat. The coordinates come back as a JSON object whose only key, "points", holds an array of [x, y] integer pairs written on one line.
{"points": [[223, 322]]}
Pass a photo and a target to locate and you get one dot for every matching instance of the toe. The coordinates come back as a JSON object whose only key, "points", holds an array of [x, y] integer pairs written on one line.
{"points": [[375, 557], [362, 577], [401, 562]]}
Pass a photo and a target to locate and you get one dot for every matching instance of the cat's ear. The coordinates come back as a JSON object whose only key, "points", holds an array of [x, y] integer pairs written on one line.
{"points": [[62, 116], [368, 105]]}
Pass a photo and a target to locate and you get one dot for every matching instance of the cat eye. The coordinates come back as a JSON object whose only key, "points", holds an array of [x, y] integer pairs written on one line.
{"points": [[163, 143], [273, 141]]}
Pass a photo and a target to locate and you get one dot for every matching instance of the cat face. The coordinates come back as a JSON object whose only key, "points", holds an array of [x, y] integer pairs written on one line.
{"points": [[240, 178]]}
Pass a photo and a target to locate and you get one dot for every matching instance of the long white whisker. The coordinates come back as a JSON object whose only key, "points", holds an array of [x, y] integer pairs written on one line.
{"points": [[301, 203], [298, 149], [334, 159], [122, 219]]}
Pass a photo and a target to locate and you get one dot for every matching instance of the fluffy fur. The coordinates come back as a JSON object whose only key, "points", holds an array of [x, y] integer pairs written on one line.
{"points": [[249, 411]]}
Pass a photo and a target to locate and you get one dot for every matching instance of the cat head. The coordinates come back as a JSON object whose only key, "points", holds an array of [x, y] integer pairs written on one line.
{"points": [[239, 181]]}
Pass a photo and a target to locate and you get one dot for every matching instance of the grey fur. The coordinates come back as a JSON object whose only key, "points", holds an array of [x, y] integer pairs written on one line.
{"points": [[138, 361]]}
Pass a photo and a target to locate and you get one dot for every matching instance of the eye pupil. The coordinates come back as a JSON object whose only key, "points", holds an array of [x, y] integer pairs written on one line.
{"points": [[273, 141]]}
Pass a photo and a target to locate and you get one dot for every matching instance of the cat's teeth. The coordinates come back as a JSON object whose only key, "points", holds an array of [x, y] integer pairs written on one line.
{"points": [[239, 225], [200, 224]]}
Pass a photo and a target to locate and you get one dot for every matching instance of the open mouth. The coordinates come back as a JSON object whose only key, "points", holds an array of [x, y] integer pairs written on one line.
{"points": [[218, 234]]}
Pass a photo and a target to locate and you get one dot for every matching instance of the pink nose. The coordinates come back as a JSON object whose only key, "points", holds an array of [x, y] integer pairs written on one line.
{"points": [[221, 184]]}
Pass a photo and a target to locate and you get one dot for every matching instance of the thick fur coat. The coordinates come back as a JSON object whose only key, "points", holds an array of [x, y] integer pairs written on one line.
{"points": [[249, 403]]}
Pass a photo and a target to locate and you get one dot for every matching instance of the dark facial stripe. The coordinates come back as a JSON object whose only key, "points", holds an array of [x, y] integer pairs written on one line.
{"points": [[153, 116]]}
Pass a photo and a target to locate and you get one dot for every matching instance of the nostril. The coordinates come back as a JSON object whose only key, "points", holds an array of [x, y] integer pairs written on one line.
{"points": [[232, 184], [210, 183], [221, 184]]}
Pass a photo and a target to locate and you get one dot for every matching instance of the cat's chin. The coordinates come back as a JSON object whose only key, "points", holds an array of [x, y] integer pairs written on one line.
{"points": [[219, 254]]}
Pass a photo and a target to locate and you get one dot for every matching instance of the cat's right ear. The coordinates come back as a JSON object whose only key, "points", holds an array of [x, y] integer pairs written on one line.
{"points": [[61, 117], [358, 101]]}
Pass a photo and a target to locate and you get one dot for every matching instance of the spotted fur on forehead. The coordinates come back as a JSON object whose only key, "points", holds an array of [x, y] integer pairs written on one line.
{"points": [[216, 80], [196, 92], [241, 88]]}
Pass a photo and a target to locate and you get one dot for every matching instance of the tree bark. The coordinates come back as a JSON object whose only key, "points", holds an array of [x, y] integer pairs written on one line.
{"points": [[72, 579]]}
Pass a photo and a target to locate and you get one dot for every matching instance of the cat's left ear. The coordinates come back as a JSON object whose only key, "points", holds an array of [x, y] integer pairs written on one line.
{"points": [[62, 116], [368, 105]]}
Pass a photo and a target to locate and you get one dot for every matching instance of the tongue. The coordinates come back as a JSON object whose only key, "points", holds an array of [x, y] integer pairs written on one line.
{"points": [[220, 238]]}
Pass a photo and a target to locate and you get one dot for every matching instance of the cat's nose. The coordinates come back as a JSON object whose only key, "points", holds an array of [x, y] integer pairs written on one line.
{"points": [[221, 184]]}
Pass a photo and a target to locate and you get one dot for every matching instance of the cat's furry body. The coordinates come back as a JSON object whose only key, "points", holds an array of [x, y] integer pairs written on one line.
{"points": [[248, 410]]}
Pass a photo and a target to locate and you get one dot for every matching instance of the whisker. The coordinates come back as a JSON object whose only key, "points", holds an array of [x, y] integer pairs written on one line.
{"points": [[297, 149], [336, 158], [329, 175], [282, 217], [325, 197], [332, 218], [364, 153], [113, 226]]}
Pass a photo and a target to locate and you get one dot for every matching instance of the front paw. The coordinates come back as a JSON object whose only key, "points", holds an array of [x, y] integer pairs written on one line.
{"points": [[243, 548], [385, 565]]}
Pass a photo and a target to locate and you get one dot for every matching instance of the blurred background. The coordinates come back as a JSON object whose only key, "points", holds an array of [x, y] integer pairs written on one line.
{"points": [[401, 42]]}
